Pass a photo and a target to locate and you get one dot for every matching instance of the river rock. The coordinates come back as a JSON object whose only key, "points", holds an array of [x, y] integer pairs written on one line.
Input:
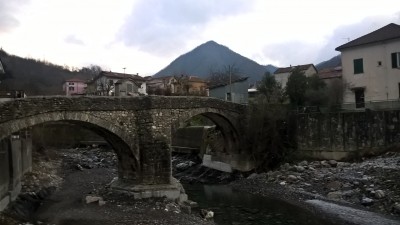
{"points": [[299, 169], [335, 195], [206, 214], [184, 165], [332, 163], [379, 194], [396, 208], [303, 163], [367, 201], [291, 178], [172, 207], [252, 176], [89, 199], [334, 185]]}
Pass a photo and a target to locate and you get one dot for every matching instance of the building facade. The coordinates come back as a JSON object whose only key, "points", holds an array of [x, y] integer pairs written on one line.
{"points": [[236, 92], [282, 74], [371, 67], [74, 86]]}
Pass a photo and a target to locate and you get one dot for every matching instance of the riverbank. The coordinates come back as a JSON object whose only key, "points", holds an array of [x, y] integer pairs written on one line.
{"points": [[71, 187], [371, 185]]}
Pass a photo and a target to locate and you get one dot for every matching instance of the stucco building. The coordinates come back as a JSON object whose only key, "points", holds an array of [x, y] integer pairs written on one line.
{"points": [[282, 74], [117, 84], [236, 92], [74, 86], [371, 68]]}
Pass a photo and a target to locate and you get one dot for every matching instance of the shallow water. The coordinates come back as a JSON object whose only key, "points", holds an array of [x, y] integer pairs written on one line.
{"points": [[239, 208]]}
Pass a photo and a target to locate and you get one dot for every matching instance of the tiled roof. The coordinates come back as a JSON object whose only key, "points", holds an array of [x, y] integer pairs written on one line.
{"points": [[290, 69], [234, 81], [196, 79], [329, 73], [388, 32], [114, 75], [75, 80]]}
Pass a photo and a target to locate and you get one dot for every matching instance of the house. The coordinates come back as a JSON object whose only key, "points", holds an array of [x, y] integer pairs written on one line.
{"points": [[178, 85], [236, 92], [74, 86], [331, 75], [117, 84], [282, 74], [371, 67]]}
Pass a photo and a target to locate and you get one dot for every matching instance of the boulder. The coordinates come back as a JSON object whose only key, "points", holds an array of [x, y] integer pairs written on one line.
{"points": [[379, 194], [335, 195], [89, 199], [367, 201], [332, 163]]}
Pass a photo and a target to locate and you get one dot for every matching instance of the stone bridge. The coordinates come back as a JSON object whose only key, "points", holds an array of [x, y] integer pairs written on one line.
{"points": [[139, 129]]}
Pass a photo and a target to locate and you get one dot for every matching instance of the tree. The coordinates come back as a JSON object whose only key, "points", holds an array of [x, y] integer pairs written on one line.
{"points": [[271, 89], [92, 70], [296, 88], [226, 75], [316, 93]]}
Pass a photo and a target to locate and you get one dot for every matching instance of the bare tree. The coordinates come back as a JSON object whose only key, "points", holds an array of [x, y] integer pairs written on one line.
{"points": [[228, 74]]}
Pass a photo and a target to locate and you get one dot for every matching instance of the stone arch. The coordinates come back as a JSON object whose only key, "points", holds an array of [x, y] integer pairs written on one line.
{"points": [[123, 145], [225, 122]]}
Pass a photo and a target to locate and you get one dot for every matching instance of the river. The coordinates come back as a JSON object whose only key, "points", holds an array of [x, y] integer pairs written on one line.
{"points": [[232, 207]]}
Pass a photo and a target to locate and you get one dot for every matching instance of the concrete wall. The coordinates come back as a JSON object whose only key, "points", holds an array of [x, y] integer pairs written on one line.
{"points": [[342, 135], [15, 161], [381, 82]]}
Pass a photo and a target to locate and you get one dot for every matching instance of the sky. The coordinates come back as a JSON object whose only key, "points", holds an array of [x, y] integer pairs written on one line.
{"points": [[144, 36]]}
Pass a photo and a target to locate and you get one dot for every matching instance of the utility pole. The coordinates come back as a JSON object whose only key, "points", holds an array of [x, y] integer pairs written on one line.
{"points": [[124, 69], [230, 83]]}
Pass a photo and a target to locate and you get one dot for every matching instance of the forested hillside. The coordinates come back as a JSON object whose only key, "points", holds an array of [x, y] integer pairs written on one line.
{"points": [[36, 77]]}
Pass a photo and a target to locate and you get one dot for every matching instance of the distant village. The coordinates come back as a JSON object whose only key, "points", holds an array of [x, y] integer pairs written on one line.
{"points": [[369, 74]]}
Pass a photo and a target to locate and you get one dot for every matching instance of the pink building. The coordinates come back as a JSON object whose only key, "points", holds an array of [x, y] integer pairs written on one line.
{"points": [[74, 86]]}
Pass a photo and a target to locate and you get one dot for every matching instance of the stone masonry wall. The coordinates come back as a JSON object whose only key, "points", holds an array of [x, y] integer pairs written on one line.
{"points": [[340, 135]]}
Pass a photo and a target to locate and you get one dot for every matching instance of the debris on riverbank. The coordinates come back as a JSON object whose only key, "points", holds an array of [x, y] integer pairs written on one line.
{"points": [[70, 190], [188, 168], [372, 184]]}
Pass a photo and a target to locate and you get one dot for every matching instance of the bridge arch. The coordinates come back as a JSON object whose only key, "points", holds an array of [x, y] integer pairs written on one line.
{"points": [[221, 119], [116, 136]]}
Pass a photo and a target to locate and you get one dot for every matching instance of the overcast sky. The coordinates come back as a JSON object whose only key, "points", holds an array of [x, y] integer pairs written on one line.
{"points": [[146, 35]]}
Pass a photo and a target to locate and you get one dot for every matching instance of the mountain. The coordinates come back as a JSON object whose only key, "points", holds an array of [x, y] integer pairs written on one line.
{"points": [[212, 56], [35, 77], [331, 63]]}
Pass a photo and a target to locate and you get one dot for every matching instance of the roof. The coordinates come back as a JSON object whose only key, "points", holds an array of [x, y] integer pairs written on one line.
{"points": [[196, 79], [329, 73], [291, 68], [388, 32], [241, 79], [75, 80], [115, 75]]}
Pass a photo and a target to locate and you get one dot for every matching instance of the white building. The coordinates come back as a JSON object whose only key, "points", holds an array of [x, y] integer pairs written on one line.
{"points": [[282, 74], [371, 67]]}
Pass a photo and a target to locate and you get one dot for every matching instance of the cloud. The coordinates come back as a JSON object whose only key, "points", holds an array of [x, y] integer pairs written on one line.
{"points": [[291, 53], [160, 26], [8, 9], [343, 34], [71, 39]]}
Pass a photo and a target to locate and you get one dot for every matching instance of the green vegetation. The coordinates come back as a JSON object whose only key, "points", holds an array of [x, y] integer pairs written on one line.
{"points": [[37, 77]]}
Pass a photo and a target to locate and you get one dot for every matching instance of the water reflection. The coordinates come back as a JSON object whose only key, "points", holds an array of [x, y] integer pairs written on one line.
{"points": [[238, 208]]}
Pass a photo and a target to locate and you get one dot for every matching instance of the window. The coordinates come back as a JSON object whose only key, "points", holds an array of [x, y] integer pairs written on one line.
{"points": [[379, 63], [71, 83], [129, 87], [358, 66], [71, 88], [228, 97], [359, 94], [396, 60]]}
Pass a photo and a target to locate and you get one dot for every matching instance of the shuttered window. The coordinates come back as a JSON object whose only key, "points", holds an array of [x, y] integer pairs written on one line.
{"points": [[358, 66], [396, 60]]}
